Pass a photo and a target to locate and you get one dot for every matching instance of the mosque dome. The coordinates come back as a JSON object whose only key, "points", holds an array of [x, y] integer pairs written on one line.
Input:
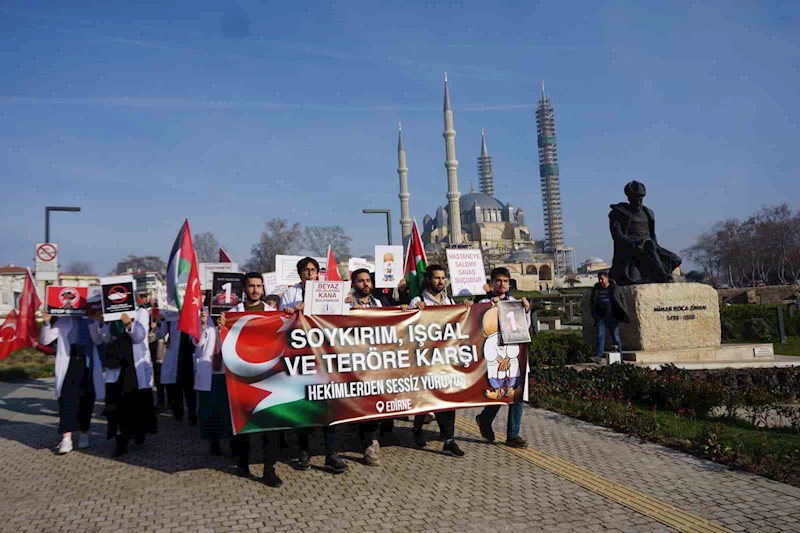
{"points": [[484, 201], [521, 256], [593, 261]]}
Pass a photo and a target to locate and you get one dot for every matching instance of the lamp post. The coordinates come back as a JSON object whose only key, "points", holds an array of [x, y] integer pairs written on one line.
{"points": [[47, 217], [388, 213]]}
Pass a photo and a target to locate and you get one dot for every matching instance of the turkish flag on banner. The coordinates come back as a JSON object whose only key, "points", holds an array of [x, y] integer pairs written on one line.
{"points": [[189, 321], [331, 271], [8, 335]]}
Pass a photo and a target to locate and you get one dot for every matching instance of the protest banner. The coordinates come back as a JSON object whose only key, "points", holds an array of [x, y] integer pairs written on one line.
{"points": [[355, 263], [326, 298], [165, 309], [388, 266], [226, 293], [300, 371], [514, 325], [467, 275], [118, 295], [286, 268], [271, 285], [206, 273], [68, 300]]}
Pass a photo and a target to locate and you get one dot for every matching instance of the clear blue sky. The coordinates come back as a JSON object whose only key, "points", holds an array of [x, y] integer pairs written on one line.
{"points": [[228, 113]]}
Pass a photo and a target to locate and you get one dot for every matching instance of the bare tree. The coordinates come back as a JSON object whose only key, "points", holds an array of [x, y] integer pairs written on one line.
{"points": [[706, 253], [206, 246], [318, 238], [148, 263], [80, 267], [277, 238]]}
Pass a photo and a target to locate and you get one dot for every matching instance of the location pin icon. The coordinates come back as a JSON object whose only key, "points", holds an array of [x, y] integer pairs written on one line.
{"points": [[379, 406]]}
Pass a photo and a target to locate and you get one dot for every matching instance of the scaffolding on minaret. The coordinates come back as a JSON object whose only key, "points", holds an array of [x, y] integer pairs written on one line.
{"points": [[485, 168], [402, 172], [551, 187]]}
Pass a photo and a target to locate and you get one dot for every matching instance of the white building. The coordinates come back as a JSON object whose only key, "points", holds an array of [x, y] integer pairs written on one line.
{"points": [[12, 281]]}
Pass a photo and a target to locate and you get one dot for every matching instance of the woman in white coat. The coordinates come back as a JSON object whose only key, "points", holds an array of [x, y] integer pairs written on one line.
{"points": [[209, 382], [79, 376]]}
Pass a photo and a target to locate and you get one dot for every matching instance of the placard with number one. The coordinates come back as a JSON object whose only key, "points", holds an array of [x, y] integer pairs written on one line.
{"points": [[226, 293], [513, 322]]}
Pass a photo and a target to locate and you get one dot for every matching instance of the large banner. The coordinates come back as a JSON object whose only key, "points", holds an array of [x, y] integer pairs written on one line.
{"points": [[298, 371]]}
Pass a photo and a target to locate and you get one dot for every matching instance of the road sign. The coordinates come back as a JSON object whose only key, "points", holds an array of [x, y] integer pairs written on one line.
{"points": [[46, 261]]}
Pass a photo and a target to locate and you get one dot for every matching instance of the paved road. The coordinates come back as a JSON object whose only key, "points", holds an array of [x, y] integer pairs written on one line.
{"points": [[576, 477]]}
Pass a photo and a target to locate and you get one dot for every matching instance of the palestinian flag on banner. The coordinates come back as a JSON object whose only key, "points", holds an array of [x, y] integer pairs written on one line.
{"points": [[183, 282], [415, 264]]}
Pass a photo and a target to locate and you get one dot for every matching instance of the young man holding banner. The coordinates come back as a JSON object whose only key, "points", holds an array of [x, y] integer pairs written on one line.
{"points": [[292, 302], [434, 293], [253, 284], [501, 283]]}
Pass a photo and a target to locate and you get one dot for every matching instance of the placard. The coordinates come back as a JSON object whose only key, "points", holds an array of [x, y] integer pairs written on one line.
{"points": [[271, 285], [355, 263], [388, 266], [118, 297], [206, 272], [226, 293], [467, 275], [286, 268], [166, 310], [513, 322], [46, 257], [326, 298], [69, 300]]}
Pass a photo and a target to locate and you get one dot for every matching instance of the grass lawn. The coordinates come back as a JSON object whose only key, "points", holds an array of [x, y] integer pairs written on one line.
{"points": [[792, 347], [26, 364]]}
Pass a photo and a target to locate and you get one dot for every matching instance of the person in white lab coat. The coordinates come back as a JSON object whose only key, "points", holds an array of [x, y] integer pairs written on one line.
{"points": [[169, 365], [79, 376], [209, 382], [129, 403]]}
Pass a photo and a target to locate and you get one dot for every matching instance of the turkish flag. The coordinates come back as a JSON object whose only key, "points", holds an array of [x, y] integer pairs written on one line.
{"points": [[189, 321], [224, 257], [29, 303], [331, 271], [8, 335]]}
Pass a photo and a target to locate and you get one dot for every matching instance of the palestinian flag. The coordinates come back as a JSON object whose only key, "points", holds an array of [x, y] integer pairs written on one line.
{"points": [[183, 282], [416, 262]]}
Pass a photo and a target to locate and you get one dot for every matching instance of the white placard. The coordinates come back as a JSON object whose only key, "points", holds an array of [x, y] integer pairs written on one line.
{"points": [[286, 268], [467, 275], [118, 297], [326, 298], [169, 312], [206, 272], [271, 285], [388, 266], [763, 351], [46, 257], [356, 263]]}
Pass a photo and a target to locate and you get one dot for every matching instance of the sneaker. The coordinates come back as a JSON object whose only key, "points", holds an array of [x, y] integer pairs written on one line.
{"points": [[271, 479], [597, 360], [451, 448], [419, 440], [486, 430], [65, 446], [516, 442], [302, 462], [371, 454], [334, 463], [83, 441]]}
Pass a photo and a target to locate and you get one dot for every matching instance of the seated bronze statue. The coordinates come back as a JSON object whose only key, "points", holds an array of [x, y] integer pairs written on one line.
{"points": [[638, 258]]}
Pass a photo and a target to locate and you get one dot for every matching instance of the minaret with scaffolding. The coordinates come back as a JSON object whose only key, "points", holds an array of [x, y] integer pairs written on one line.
{"points": [[402, 172], [551, 187], [485, 168]]}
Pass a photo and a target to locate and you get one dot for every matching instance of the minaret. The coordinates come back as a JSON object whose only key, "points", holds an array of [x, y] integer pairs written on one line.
{"points": [[548, 172], [451, 164], [402, 171], [485, 168]]}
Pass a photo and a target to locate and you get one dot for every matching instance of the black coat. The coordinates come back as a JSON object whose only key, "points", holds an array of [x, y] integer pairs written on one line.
{"points": [[619, 308]]}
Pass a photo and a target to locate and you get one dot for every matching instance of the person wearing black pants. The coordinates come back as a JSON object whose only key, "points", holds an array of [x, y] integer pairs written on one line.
{"points": [[333, 463], [183, 390]]}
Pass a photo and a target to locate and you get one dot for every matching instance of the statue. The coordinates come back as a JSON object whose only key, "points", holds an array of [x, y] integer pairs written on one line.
{"points": [[638, 258]]}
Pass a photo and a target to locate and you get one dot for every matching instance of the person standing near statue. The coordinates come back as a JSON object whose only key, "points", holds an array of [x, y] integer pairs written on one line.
{"points": [[608, 310], [638, 258]]}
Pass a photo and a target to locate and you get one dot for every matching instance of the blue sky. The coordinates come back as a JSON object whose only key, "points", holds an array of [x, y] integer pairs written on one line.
{"points": [[231, 113]]}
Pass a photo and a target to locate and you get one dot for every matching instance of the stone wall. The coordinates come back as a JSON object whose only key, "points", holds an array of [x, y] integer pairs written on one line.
{"points": [[773, 294]]}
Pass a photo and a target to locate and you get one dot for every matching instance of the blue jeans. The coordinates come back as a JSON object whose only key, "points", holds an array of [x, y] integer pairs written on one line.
{"points": [[514, 417], [602, 325]]}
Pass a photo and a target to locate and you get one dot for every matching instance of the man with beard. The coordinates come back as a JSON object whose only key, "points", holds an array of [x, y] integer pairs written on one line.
{"points": [[292, 302], [253, 285], [434, 294], [501, 282]]}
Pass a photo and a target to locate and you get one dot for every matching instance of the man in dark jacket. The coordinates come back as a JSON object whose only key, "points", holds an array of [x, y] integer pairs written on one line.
{"points": [[608, 307]]}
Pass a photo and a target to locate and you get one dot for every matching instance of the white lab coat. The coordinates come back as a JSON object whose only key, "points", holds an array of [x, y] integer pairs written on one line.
{"points": [[169, 366], [427, 299], [291, 297], [141, 349], [204, 358], [65, 331]]}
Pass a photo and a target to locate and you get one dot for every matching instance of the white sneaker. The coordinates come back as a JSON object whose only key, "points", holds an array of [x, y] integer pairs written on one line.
{"points": [[83, 441], [65, 446]]}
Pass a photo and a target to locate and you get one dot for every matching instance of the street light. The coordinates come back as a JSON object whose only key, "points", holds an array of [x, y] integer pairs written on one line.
{"points": [[47, 217], [388, 213]]}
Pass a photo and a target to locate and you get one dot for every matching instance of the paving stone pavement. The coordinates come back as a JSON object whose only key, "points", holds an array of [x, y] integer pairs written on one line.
{"points": [[172, 483]]}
